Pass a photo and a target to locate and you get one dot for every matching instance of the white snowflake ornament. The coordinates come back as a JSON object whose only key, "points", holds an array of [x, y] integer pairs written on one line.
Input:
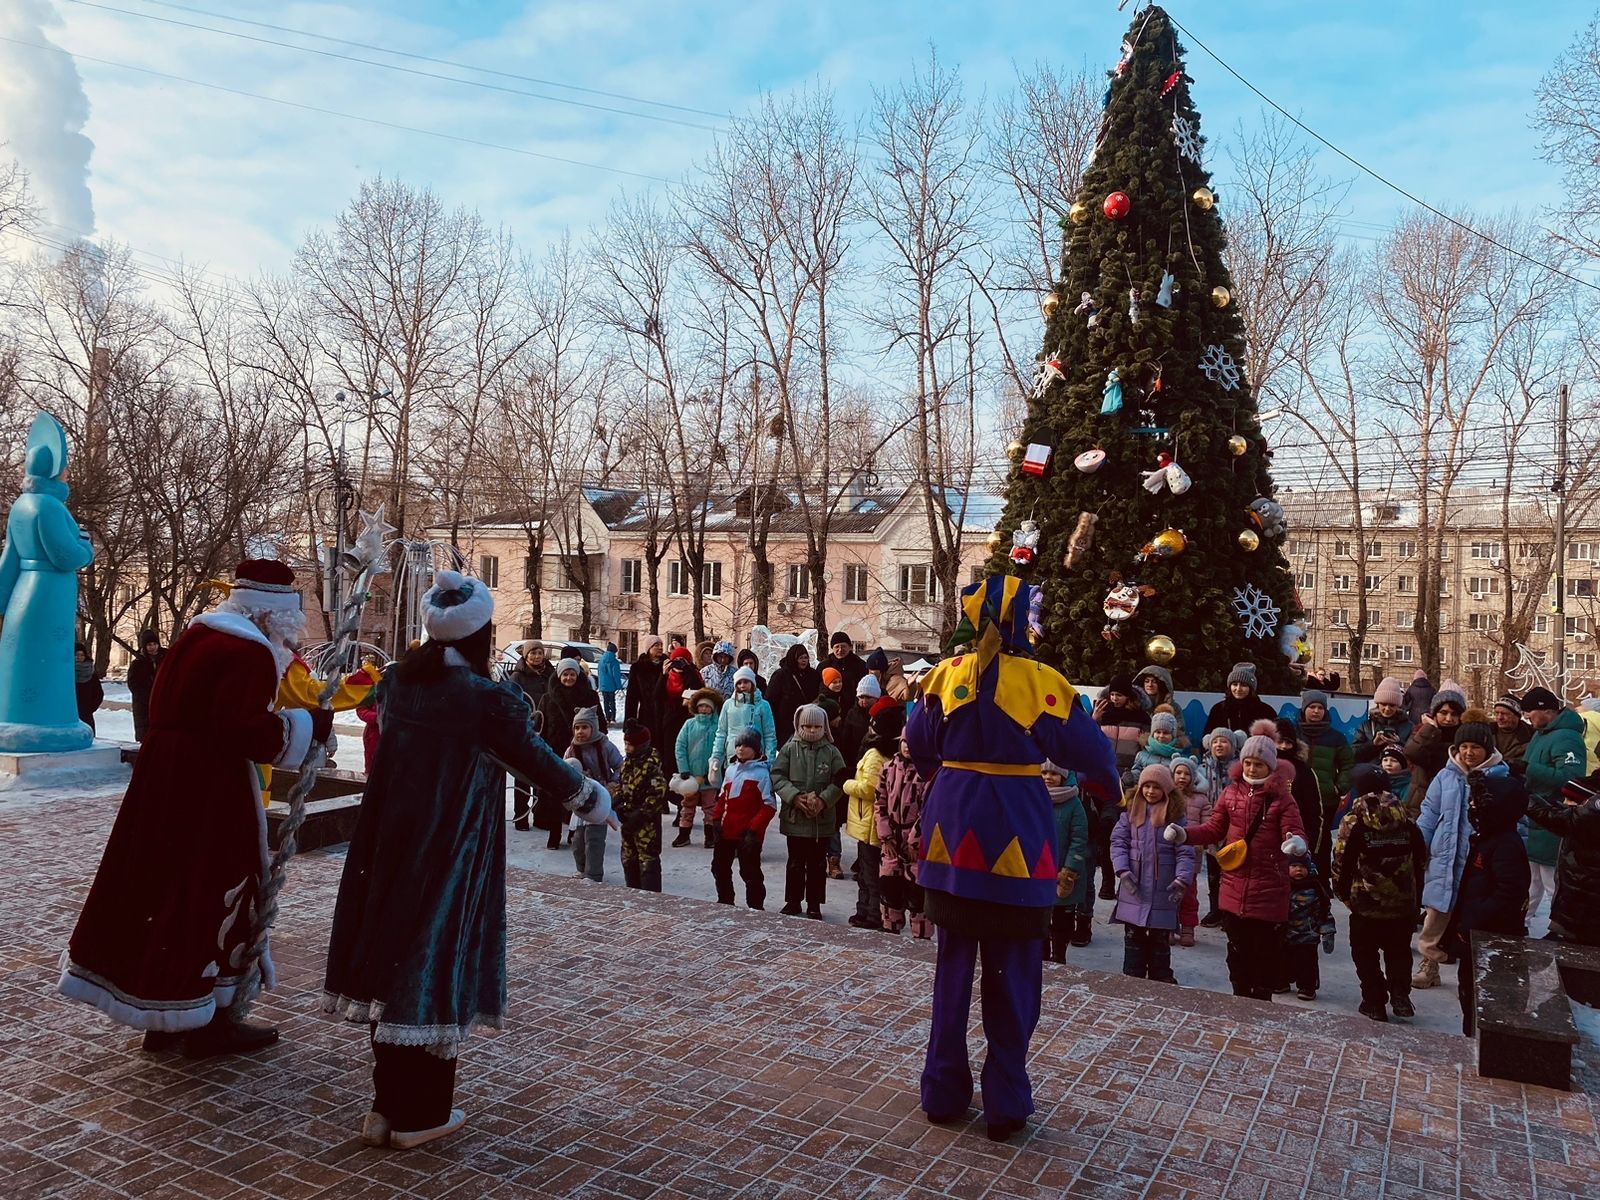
{"points": [[1256, 611], [1219, 367], [1188, 140]]}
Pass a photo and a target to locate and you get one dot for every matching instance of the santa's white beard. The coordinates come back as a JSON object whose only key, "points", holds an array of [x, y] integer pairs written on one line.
{"points": [[282, 627]]}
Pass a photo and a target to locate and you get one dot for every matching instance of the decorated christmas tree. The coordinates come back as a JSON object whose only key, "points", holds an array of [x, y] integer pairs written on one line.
{"points": [[1141, 494]]}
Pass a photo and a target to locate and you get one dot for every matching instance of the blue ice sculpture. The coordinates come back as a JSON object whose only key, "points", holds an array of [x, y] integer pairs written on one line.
{"points": [[44, 551]]}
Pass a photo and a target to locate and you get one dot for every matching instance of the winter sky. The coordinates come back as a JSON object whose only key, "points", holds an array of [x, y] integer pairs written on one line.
{"points": [[1436, 96]]}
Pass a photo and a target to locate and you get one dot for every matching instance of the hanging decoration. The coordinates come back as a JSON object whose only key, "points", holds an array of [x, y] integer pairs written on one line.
{"points": [[1171, 82], [1134, 314], [1267, 516], [1117, 205], [1160, 650], [1036, 459], [1256, 611], [1090, 461], [1081, 540], [1046, 373], [994, 540], [1220, 296], [1169, 543], [1127, 57], [1086, 304], [1049, 304], [1292, 641], [1025, 543], [1078, 213], [1122, 602], [1015, 451], [1218, 366], [1164, 293], [1188, 141], [1169, 475], [1237, 445], [1249, 540], [1112, 393], [1204, 198]]}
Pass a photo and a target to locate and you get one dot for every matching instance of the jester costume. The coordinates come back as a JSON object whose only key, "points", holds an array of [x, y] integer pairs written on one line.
{"points": [[988, 718]]}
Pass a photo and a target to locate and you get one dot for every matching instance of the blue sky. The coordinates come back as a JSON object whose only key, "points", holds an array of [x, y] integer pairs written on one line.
{"points": [[1435, 95]]}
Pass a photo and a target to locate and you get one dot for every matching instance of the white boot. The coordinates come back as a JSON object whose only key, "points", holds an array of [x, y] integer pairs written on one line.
{"points": [[410, 1139]]}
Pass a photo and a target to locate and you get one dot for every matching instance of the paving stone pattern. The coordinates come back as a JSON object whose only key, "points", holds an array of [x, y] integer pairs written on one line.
{"points": [[662, 1047]]}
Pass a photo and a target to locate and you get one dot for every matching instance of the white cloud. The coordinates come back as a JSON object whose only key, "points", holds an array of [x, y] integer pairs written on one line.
{"points": [[43, 109]]}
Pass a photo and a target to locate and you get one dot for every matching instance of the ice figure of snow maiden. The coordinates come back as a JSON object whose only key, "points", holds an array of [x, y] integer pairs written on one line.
{"points": [[39, 567], [989, 717]]}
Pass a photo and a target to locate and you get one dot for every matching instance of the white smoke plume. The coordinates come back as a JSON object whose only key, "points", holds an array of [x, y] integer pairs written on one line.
{"points": [[43, 109]]}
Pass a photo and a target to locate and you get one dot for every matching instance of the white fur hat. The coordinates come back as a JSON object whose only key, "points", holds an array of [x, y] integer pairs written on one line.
{"points": [[456, 606]]}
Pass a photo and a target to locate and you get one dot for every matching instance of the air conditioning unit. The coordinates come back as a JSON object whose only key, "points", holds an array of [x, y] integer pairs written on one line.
{"points": [[786, 608], [625, 602]]}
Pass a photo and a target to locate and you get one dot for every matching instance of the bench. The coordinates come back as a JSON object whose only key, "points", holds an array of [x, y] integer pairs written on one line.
{"points": [[1524, 992]]}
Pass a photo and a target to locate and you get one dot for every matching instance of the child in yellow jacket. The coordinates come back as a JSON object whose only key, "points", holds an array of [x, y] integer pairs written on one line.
{"points": [[888, 718]]}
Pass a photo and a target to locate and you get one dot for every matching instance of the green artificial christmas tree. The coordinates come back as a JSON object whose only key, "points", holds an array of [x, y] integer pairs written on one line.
{"points": [[1142, 463]]}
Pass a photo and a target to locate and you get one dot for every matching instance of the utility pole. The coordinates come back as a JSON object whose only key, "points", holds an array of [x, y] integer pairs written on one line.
{"points": [[1559, 487]]}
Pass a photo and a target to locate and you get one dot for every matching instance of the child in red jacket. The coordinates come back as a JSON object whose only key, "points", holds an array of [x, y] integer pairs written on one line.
{"points": [[744, 807]]}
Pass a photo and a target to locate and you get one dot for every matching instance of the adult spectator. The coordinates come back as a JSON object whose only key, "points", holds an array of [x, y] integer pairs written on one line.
{"points": [[680, 679], [1554, 757], [794, 683], [90, 693], [719, 674], [568, 693], [609, 680], [1386, 724], [533, 675], [843, 658], [1575, 909], [142, 679], [1241, 707], [644, 679], [1431, 738], [747, 658], [1511, 732], [1420, 696]]}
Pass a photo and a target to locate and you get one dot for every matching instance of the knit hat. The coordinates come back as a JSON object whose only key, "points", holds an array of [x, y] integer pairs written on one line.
{"points": [[745, 675], [635, 733], [877, 661], [1120, 683], [868, 687], [1266, 727], [1284, 729], [456, 606], [651, 642], [1158, 774], [1223, 731], [831, 676], [887, 717], [587, 716], [1540, 698], [569, 664], [1164, 722], [1397, 753], [1389, 691], [1367, 779], [840, 638], [1245, 673], [748, 736], [1184, 760], [1448, 693], [813, 713], [1477, 733], [1312, 696], [1264, 748]]}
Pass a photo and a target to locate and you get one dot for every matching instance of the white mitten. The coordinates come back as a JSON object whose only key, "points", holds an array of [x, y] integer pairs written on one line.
{"points": [[1174, 835], [1293, 846]]}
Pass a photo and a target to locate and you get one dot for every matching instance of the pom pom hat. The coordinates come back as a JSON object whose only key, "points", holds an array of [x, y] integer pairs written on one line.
{"points": [[1262, 747], [456, 606]]}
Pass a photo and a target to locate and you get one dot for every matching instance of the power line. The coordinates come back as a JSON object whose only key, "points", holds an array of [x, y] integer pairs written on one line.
{"points": [[442, 62], [1388, 183], [383, 66], [332, 112]]}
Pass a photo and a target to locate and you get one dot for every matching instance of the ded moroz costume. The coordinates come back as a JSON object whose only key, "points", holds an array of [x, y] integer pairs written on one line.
{"points": [[989, 717]]}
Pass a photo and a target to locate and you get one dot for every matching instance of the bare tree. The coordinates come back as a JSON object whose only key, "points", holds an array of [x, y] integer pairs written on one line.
{"points": [[1568, 117]]}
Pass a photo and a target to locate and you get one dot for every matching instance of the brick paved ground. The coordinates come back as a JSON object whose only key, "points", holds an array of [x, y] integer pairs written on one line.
{"points": [[662, 1047]]}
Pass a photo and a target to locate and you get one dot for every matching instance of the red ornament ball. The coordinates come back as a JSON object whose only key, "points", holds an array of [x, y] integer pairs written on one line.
{"points": [[1118, 205]]}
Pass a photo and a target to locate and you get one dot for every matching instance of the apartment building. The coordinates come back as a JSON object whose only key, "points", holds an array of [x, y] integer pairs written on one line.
{"points": [[880, 584], [1480, 584]]}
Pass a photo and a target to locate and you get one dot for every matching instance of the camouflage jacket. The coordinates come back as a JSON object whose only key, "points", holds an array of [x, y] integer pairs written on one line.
{"points": [[1379, 859], [642, 792]]}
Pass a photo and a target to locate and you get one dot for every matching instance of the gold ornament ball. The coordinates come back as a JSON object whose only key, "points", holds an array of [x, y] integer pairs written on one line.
{"points": [[1249, 539], [995, 540], [1170, 543], [1078, 213], [1160, 650], [1015, 451], [1049, 304], [1237, 445], [1204, 198], [1220, 297]]}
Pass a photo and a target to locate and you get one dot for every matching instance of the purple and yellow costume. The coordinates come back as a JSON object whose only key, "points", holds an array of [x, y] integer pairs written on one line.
{"points": [[988, 718]]}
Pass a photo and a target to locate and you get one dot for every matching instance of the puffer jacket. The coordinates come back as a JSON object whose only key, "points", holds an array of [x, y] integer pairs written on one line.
{"points": [[641, 793], [1494, 887], [1259, 890], [803, 767], [898, 811], [1427, 750], [1331, 759], [1575, 911], [1310, 909], [737, 715], [1229, 713], [863, 791], [1072, 843], [1154, 864], [1197, 809], [1446, 831], [1555, 757], [696, 742], [1379, 859], [1162, 676], [720, 679], [1125, 728], [1367, 748]]}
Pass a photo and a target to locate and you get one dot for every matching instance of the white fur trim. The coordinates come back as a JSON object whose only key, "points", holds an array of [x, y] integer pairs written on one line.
{"points": [[162, 1016], [296, 738], [240, 626], [592, 804], [453, 622], [264, 596]]}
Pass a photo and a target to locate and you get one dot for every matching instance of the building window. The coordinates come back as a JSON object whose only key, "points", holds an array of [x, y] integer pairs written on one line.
{"points": [[855, 582], [627, 644], [1404, 619], [1444, 552], [1341, 583], [1541, 624], [1484, 656], [632, 576], [1369, 652], [1405, 584], [489, 570], [1408, 549], [1580, 587], [1486, 551], [1538, 550], [1340, 651], [1402, 654], [1581, 551], [1583, 662], [1577, 625], [918, 585], [1483, 622], [1296, 546], [1339, 618], [1373, 582], [711, 580], [1306, 581], [1374, 549], [1341, 548], [799, 582], [1441, 656], [1483, 585], [1375, 619], [574, 634], [677, 578]]}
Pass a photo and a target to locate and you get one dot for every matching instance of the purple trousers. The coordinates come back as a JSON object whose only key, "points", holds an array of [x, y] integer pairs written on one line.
{"points": [[1009, 990]]}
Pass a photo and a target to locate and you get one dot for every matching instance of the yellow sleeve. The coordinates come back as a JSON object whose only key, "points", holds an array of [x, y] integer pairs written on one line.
{"points": [[300, 689]]}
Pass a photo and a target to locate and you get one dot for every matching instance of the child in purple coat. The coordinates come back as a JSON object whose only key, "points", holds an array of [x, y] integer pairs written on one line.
{"points": [[1152, 875]]}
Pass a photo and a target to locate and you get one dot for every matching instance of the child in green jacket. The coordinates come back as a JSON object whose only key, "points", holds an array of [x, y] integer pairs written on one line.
{"points": [[803, 778]]}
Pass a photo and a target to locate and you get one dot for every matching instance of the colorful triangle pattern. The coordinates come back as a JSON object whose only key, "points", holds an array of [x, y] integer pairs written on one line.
{"points": [[1011, 863], [937, 851], [969, 854], [1045, 868]]}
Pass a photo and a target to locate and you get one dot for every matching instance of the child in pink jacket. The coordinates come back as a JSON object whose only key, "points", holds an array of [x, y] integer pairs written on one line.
{"points": [[897, 809]]}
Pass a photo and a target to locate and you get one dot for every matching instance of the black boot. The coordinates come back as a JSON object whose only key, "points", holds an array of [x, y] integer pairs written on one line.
{"points": [[1058, 948], [711, 837], [683, 837], [1082, 928], [224, 1035]]}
